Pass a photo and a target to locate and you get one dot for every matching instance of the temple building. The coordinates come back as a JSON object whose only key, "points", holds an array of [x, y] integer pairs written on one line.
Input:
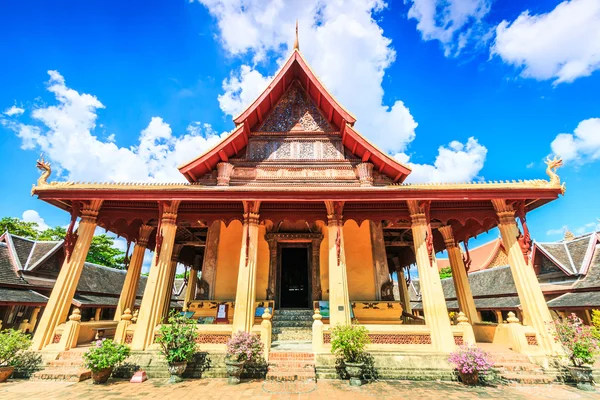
{"points": [[28, 272], [568, 271], [295, 211]]}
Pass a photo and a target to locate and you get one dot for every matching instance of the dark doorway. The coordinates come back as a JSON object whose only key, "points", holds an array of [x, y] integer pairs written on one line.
{"points": [[294, 285]]}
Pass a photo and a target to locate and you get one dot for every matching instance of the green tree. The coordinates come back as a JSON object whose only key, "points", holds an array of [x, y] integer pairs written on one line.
{"points": [[19, 227], [56, 233], [445, 272]]}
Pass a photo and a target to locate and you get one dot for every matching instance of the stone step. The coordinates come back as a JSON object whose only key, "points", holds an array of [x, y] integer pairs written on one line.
{"points": [[63, 374], [291, 329], [291, 346], [303, 314], [498, 358], [291, 356], [519, 366], [527, 379], [292, 336], [69, 362], [292, 323]]}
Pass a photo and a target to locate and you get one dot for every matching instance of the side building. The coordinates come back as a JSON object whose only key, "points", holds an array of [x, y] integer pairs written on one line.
{"points": [[28, 272], [568, 271]]}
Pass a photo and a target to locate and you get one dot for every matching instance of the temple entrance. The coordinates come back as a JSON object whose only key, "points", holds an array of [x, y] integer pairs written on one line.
{"points": [[294, 287]]}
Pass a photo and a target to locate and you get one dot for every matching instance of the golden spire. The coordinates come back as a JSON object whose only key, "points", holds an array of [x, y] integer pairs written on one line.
{"points": [[568, 235], [296, 43]]}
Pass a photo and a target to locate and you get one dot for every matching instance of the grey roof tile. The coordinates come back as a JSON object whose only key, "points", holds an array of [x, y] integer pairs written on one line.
{"points": [[14, 295]]}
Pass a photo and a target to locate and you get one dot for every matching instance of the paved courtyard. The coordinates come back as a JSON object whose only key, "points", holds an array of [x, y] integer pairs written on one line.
{"points": [[325, 389]]}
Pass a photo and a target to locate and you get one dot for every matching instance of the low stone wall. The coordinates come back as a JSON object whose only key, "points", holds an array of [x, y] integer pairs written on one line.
{"points": [[396, 365]]}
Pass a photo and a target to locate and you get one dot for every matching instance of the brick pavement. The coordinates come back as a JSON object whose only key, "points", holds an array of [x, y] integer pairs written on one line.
{"points": [[325, 389]]}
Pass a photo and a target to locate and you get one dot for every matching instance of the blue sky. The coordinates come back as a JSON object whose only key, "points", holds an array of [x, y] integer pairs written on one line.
{"points": [[466, 90]]}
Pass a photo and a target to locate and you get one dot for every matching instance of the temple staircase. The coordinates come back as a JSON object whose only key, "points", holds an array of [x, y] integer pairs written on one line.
{"points": [[292, 325], [517, 368], [68, 367]]}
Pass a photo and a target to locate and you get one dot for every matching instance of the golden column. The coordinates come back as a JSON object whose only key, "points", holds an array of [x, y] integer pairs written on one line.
{"points": [[339, 299], [462, 287], [172, 271], [59, 303], [192, 282], [535, 309], [156, 286], [402, 286], [132, 279], [243, 315], [434, 302]]}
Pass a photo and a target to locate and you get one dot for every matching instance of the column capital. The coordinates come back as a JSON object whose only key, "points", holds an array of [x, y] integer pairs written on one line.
{"points": [[334, 212], [505, 211], [365, 174], [90, 209], [224, 171], [448, 236], [144, 235], [251, 209], [168, 211], [419, 211]]}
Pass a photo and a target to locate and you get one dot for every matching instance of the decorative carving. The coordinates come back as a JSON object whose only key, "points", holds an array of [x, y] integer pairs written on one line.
{"points": [[43, 166], [552, 166], [224, 173], [458, 340], [387, 291], [334, 218], [202, 290], [207, 338], [128, 338], [56, 338], [400, 338], [531, 339], [295, 111], [365, 174], [524, 237], [467, 256], [71, 236]]}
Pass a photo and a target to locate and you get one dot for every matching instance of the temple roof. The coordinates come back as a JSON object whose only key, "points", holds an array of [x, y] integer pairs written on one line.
{"points": [[482, 257], [295, 71]]}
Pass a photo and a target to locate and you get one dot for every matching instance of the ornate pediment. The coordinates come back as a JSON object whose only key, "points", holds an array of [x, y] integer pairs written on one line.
{"points": [[295, 111]]}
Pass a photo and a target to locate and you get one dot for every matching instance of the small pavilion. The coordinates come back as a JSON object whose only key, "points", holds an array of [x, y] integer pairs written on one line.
{"points": [[295, 209]]}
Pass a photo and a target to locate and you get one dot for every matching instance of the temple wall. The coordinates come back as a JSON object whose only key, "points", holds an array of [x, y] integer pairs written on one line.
{"points": [[228, 259], [262, 271], [324, 263], [359, 261]]}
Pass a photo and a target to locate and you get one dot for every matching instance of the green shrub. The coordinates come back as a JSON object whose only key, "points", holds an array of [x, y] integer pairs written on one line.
{"points": [[105, 354], [178, 338], [12, 347], [349, 342]]}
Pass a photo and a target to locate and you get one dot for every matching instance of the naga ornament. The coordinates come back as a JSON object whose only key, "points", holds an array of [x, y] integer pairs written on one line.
{"points": [[552, 165], [43, 166]]}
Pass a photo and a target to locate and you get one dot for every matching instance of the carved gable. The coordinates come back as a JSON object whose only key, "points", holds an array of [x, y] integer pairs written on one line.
{"points": [[295, 111]]}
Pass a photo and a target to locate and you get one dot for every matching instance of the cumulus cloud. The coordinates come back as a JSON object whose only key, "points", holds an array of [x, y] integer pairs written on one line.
{"points": [[454, 23], [34, 216], [581, 146], [14, 110], [64, 132], [458, 162], [580, 230], [563, 44], [342, 41]]}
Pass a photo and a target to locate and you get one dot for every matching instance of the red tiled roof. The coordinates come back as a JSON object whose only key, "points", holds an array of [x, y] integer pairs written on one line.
{"points": [[481, 257]]}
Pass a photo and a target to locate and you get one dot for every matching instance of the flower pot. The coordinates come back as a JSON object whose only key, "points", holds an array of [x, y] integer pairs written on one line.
{"points": [[234, 370], [176, 370], [5, 373], [102, 375], [582, 376], [470, 379], [355, 370]]}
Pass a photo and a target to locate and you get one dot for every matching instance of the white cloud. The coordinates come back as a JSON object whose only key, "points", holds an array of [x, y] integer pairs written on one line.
{"points": [[454, 23], [64, 132], [581, 146], [14, 110], [34, 216], [580, 230], [563, 44], [456, 163], [341, 40]]}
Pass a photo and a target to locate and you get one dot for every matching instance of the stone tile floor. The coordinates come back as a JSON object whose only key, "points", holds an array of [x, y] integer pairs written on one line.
{"points": [[325, 389]]}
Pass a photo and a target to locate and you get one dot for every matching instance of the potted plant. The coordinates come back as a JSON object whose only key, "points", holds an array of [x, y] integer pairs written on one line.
{"points": [[470, 361], [12, 348], [581, 347], [103, 357], [348, 342], [243, 347], [178, 343]]}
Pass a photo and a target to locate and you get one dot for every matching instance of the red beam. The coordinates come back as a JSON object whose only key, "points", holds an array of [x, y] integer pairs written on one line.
{"points": [[223, 156], [366, 156]]}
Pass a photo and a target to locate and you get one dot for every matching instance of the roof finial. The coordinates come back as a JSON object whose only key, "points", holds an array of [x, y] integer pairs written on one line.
{"points": [[568, 235], [296, 43]]}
